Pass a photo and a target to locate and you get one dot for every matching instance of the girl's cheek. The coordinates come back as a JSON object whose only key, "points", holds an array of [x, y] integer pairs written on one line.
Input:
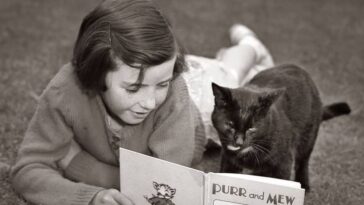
{"points": [[122, 96], [161, 95]]}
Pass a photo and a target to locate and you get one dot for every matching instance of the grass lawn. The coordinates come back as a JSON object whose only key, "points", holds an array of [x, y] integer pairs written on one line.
{"points": [[326, 37]]}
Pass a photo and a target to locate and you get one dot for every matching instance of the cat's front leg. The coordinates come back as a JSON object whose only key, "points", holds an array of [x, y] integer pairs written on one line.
{"points": [[302, 175], [228, 166], [283, 169]]}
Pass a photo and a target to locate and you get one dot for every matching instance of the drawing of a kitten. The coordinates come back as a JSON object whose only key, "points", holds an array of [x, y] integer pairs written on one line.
{"points": [[270, 125], [164, 196]]}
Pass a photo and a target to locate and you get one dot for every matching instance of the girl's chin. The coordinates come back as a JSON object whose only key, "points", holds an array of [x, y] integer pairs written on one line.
{"points": [[133, 118]]}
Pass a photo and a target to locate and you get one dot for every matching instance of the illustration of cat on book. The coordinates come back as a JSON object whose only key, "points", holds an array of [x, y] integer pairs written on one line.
{"points": [[164, 196]]}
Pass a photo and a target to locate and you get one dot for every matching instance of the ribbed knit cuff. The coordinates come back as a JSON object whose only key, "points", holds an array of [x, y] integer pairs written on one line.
{"points": [[79, 165], [85, 168], [84, 195]]}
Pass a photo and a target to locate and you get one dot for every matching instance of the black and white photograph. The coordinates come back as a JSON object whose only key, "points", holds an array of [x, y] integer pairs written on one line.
{"points": [[181, 102]]}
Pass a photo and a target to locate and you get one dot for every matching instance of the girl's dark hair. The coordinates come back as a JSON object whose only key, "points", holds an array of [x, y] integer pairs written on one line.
{"points": [[132, 30]]}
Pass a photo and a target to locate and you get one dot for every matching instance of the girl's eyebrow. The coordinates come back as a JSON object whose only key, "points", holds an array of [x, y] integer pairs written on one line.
{"points": [[141, 84]]}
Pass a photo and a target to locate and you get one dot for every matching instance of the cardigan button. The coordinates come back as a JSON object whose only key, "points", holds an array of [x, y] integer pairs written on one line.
{"points": [[115, 138]]}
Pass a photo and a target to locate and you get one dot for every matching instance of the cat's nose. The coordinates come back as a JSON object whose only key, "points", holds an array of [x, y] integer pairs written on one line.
{"points": [[239, 140], [232, 131]]}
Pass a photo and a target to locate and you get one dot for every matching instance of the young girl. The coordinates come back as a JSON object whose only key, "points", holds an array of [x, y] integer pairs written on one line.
{"points": [[123, 88]]}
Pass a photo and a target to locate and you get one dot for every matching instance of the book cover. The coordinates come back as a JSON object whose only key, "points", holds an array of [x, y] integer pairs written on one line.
{"points": [[148, 180], [240, 189]]}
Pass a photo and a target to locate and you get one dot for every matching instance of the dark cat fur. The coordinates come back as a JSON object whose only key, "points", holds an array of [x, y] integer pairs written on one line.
{"points": [[273, 121]]}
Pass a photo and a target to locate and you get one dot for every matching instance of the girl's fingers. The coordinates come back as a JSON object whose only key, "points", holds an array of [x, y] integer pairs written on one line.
{"points": [[121, 199]]}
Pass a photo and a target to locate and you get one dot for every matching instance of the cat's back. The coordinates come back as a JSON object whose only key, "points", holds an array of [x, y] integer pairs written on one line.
{"points": [[286, 75], [300, 101]]}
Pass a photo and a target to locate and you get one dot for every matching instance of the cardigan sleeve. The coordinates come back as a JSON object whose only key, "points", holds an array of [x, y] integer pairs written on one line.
{"points": [[177, 136], [36, 175], [87, 169]]}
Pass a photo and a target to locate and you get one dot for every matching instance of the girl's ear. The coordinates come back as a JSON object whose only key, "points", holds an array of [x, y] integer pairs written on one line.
{"points": [[222, 95], [267, 98]]}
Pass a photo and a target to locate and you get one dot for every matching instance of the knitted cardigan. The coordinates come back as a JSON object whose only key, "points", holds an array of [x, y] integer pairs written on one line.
{"points": [[172, 132]]}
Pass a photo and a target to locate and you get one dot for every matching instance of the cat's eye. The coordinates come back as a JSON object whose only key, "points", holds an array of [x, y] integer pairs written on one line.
{"points": [[229, 123], [241, 111], [251, 131], [220, 103]]}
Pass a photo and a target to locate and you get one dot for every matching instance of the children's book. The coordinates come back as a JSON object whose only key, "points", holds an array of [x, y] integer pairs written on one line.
{"points": [[147, 180]]}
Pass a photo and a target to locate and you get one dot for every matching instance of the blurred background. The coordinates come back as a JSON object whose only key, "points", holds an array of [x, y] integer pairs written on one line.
{"points": [[324, 36]]}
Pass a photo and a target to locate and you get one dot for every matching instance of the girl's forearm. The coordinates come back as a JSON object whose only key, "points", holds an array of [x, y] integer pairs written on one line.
{"points": [[87, 169]]}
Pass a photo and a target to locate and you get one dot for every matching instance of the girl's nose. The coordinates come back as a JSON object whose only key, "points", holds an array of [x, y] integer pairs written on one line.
{"points": [[149, 104], [149, 101]]}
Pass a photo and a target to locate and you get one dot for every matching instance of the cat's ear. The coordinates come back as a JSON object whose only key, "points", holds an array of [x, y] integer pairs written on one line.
{"points": [[173, 191], [267, 98], [156, 185], [222, 94]]}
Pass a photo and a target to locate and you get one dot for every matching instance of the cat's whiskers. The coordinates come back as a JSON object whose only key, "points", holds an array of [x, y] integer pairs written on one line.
{"points": [[255, 155], [261, 148], [257, 150], [263, 145], [264, 151], [262, 141]]}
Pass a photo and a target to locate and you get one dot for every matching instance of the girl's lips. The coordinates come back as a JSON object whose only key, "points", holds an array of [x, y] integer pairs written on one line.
{"points": [[140, 114]]}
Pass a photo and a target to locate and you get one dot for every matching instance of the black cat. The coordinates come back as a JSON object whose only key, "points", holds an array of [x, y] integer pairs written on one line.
{"points": [[270, 125]]}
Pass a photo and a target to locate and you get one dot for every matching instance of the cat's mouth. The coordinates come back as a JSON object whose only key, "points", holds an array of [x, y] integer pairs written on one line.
{"points": [[241, 149]]}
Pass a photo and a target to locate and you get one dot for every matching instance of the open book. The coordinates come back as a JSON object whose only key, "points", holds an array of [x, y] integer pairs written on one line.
{"points": [[147, 180]]}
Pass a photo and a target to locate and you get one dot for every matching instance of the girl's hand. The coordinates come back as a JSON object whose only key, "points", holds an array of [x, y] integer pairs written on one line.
{"points": [[110, 197]]}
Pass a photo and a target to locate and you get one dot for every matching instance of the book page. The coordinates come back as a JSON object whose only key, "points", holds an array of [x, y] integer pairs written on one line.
{"points": [[269, 180], [231, 190], [148, 180]]}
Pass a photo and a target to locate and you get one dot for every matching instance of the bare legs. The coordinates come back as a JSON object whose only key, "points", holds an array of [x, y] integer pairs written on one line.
{"points": [[239, 59], [245, 54]]}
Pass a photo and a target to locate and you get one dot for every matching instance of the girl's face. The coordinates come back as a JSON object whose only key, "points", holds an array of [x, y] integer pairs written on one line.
{"points": [[123, 99]]}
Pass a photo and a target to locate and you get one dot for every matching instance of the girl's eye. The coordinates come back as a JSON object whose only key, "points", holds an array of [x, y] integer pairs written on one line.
{"points": [[165, 84], [131, 89]]}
